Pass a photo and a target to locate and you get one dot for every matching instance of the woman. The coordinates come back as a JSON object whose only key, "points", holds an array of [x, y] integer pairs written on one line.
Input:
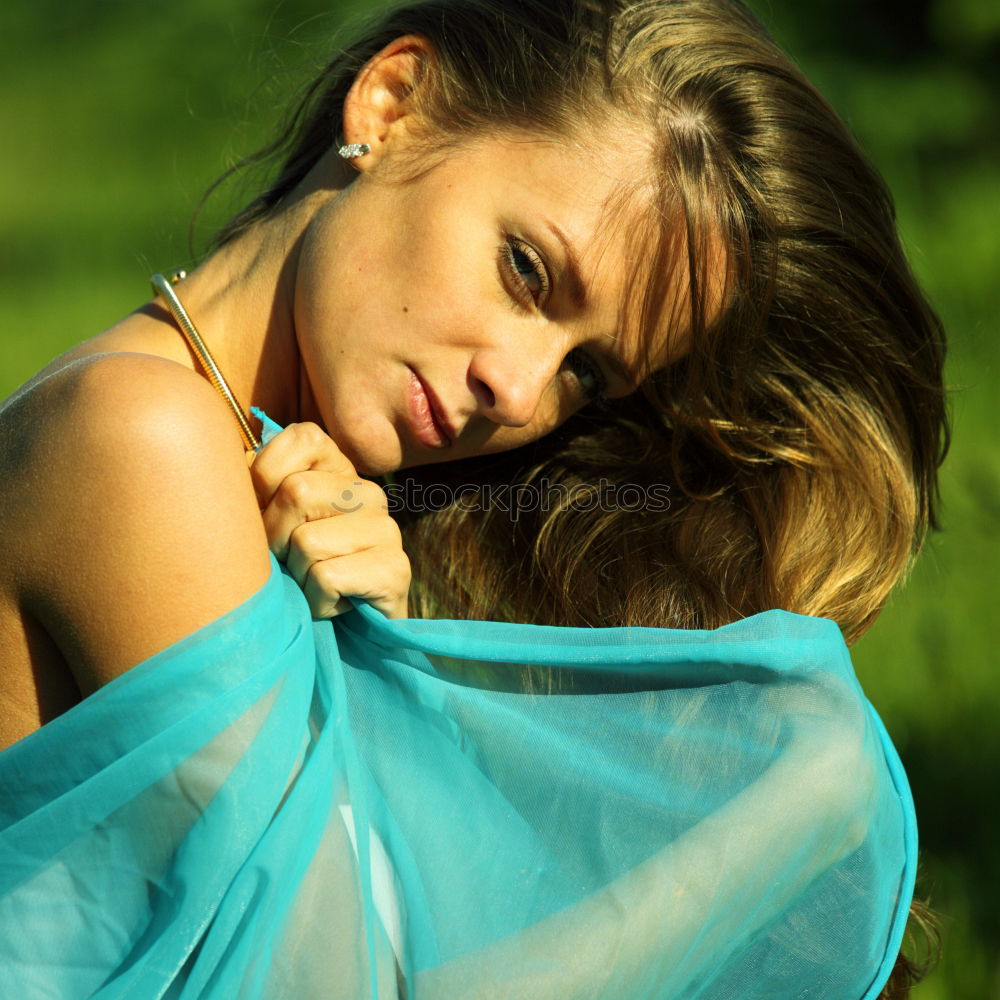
{"points": [[622, 244]]}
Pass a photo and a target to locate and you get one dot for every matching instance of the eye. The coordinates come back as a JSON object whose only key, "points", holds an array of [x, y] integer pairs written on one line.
{"points": [[588, 375], [526, 270]]}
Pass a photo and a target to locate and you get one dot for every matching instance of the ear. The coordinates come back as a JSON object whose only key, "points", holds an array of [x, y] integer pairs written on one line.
{"points": [[379, 102]]}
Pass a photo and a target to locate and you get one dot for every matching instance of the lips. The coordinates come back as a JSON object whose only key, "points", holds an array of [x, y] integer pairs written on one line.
{"points": [[430, 424]]}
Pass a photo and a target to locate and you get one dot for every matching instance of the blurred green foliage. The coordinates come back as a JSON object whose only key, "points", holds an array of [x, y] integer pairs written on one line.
{"points": [[116, 117], [919, 84]]}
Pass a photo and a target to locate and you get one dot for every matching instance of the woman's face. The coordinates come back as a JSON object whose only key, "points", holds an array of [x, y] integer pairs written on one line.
{"points": [[469, 310]]}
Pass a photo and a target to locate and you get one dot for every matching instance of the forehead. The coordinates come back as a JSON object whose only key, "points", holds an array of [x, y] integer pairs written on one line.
{"points": [[598, 197], [625, 220], [587, 182]]}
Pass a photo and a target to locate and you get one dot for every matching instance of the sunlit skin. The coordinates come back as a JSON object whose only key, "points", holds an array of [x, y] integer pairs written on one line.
{"points": [[135, 522], [460, 275], [497, 274]]}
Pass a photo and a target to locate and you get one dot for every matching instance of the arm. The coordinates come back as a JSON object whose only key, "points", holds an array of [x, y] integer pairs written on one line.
{"points": [[329, 526], [130, 515]]}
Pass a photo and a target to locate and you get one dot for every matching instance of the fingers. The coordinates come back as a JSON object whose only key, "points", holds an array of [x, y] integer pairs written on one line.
{"points": [[337, 537], [374, 574], [298, 448], [304, 497], [330, 527], [356, 556], [301, 475]]}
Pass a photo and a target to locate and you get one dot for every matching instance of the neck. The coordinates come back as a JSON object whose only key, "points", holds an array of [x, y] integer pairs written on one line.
{"points": [[241, 299]]}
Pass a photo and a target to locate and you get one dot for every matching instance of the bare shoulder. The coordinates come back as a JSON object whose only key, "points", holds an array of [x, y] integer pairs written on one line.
{"points": [[129, 516]]}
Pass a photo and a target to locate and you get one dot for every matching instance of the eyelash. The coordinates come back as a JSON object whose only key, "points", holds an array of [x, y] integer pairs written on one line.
{"points": [[580, 363], [513, 246], [579, 360]]}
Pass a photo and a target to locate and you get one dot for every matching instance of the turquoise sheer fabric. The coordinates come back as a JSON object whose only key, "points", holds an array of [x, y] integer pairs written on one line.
{"points": [[281, 808]]}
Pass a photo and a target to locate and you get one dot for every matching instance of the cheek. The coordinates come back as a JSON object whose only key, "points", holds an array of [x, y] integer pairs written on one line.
{"points": [[552, 412]]}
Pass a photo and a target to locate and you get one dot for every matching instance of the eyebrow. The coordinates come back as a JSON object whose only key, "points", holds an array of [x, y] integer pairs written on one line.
{"points": [[577, 288], [631, 380], [578, 293]]}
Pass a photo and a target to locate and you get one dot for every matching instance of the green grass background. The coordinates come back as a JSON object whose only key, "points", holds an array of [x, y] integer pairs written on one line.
{"points": [[115, 117]]}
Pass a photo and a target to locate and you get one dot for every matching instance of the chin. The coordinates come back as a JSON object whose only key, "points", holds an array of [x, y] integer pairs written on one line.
{"points": [[369, 463], [370, 468], [374, 471], [369, 455]]}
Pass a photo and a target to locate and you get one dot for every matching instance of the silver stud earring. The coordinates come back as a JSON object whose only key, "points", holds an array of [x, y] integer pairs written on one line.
{"points": [[353, 150]]}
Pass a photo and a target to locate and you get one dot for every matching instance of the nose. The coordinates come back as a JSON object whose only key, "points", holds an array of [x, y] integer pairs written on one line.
{"points": [[509, 382]]}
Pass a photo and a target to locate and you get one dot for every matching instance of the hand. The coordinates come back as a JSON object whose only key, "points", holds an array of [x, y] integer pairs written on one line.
{"points": [[330, 527]]}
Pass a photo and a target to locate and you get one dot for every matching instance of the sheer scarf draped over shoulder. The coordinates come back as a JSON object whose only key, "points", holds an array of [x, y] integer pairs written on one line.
{"points": [[281, 808]]}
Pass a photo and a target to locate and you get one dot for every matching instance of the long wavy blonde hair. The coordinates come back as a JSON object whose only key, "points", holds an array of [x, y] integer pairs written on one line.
{"points": [[799, 436]]}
